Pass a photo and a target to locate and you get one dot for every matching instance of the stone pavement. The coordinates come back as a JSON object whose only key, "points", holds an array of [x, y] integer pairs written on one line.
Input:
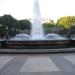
{"points": [[37, 64]]}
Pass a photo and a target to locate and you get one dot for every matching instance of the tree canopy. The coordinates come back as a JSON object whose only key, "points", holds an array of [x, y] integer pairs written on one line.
{"points": [[50, 27], [64, 24], [66, 21], [9, 21], [13, 25], [25, 24]]}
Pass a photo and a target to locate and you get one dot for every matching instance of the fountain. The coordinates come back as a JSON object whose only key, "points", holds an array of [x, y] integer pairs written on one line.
{"points": [[37, 29], [37, 39]]}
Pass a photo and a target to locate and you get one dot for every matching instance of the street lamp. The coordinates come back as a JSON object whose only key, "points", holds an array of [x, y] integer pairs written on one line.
{"points": [[1, 28], [6, 32]]}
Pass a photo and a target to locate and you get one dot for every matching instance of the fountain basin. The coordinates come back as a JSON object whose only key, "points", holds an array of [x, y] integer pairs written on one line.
{"points": [[36, 44], [22, 41]]}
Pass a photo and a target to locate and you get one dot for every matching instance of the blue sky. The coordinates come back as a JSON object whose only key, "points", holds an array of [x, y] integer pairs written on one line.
{"points": [[21, 9]]}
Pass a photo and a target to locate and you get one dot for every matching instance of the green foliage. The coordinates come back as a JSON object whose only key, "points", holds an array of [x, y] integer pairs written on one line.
{"points": [[63, 25], [66, 21], [25, 24], [50, 27], [47, 27], [9, 21], [13, 25]]}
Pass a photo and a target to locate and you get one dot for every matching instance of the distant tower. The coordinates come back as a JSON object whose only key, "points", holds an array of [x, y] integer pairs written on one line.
{"points": [[37, 29]]}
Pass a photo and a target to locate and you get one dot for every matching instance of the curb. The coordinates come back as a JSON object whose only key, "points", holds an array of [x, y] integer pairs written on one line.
{"points": [[33, 51]]}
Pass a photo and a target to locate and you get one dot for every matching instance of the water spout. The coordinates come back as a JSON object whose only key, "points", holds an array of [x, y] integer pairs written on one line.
{"points": [[37, 29]]}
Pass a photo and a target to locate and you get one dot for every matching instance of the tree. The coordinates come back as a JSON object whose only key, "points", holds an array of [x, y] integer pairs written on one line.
{"points": [[66, 21], [50, 27], [7, 21], [25, 24]]}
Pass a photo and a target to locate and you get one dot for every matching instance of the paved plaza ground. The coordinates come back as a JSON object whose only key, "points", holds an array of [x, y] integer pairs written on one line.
{"points": [[37, 64]]}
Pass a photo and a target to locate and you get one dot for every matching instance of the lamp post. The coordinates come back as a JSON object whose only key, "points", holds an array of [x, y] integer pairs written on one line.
{"points": [[1, 27], [12, 29], [6, 32]]}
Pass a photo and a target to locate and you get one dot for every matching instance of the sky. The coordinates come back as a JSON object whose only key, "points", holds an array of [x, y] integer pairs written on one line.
{"points": [[53, 9]]}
